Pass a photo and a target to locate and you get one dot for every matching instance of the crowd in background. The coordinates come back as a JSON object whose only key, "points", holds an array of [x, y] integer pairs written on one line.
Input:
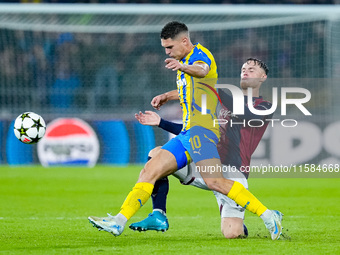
{"points": [[102, 71]]}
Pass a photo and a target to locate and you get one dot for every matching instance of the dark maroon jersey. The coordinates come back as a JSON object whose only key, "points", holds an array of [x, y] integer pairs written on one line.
{"points": [[238, 139]]}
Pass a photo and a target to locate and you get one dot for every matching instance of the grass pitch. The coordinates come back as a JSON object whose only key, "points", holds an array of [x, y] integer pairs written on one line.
{"points": [[44, 211]]}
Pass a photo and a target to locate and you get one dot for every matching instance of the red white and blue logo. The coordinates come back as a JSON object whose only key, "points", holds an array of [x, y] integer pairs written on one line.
{"points": [[69, 141]]}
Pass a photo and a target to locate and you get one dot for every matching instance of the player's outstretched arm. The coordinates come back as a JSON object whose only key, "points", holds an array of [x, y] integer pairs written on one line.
{"points": [[198, 69], [159, 100]]}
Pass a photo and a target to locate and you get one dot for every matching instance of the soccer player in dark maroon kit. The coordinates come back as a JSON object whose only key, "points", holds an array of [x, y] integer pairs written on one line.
{"points": [[238, 139]]}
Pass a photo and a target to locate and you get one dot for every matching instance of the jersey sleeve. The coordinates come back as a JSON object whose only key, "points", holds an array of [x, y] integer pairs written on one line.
{"points": [[171, 127], [200, 56]]}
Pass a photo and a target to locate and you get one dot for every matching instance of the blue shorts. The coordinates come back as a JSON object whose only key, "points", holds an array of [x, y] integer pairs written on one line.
{"points": [[196, 144]]}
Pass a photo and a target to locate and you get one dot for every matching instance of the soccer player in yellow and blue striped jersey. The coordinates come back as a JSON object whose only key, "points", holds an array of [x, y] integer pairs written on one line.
{"points": [[196, 77], [191, 89]]}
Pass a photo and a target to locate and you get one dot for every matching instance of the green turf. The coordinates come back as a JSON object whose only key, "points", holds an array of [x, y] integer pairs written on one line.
{"points": [[44, 211]]}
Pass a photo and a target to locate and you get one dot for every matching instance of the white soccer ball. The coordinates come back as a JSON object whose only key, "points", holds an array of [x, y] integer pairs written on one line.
{"points": [[29, 127]]}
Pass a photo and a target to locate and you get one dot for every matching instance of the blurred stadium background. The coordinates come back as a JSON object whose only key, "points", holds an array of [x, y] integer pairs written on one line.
{"points": [[103, 63]]}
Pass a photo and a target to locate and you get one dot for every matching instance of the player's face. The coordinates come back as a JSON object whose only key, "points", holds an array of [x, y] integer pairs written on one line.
{"points": [[252, 75], [175, 48]]}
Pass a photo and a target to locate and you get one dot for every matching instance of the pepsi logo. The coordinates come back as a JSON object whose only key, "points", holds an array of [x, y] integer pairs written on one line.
{"points": [[69, 141]]}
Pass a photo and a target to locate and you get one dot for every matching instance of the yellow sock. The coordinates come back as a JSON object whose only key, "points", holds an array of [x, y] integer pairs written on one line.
{"points": [[244, 198], [140, 193]]}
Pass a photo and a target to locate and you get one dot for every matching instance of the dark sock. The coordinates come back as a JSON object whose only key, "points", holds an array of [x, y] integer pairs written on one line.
{"points": [[160, 193]]}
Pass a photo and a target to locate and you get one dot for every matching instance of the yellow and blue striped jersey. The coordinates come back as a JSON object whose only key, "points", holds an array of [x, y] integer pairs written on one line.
{"points": [[191, 89]]}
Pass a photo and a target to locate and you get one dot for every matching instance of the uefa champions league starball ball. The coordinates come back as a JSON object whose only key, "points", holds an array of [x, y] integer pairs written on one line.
{"points": [[29, 127]]}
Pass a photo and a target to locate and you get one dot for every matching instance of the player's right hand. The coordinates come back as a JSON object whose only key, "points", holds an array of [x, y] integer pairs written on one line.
{"points": [[173, 64], [148, 118]]}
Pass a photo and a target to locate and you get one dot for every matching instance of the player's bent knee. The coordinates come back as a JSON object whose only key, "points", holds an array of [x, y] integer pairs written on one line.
{"points": [[232, 228], [231, 235], [154, 151]]}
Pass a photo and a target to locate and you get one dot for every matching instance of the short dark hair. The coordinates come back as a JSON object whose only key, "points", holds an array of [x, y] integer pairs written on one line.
{"points": [[260, 63], [172, 29]]}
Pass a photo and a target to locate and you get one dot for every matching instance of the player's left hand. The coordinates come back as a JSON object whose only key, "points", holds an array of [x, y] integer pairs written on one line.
{"points": [[172, 64]]}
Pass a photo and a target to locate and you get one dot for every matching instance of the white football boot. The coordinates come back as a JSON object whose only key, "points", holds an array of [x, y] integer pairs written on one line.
{"points": [[108, 224]]}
